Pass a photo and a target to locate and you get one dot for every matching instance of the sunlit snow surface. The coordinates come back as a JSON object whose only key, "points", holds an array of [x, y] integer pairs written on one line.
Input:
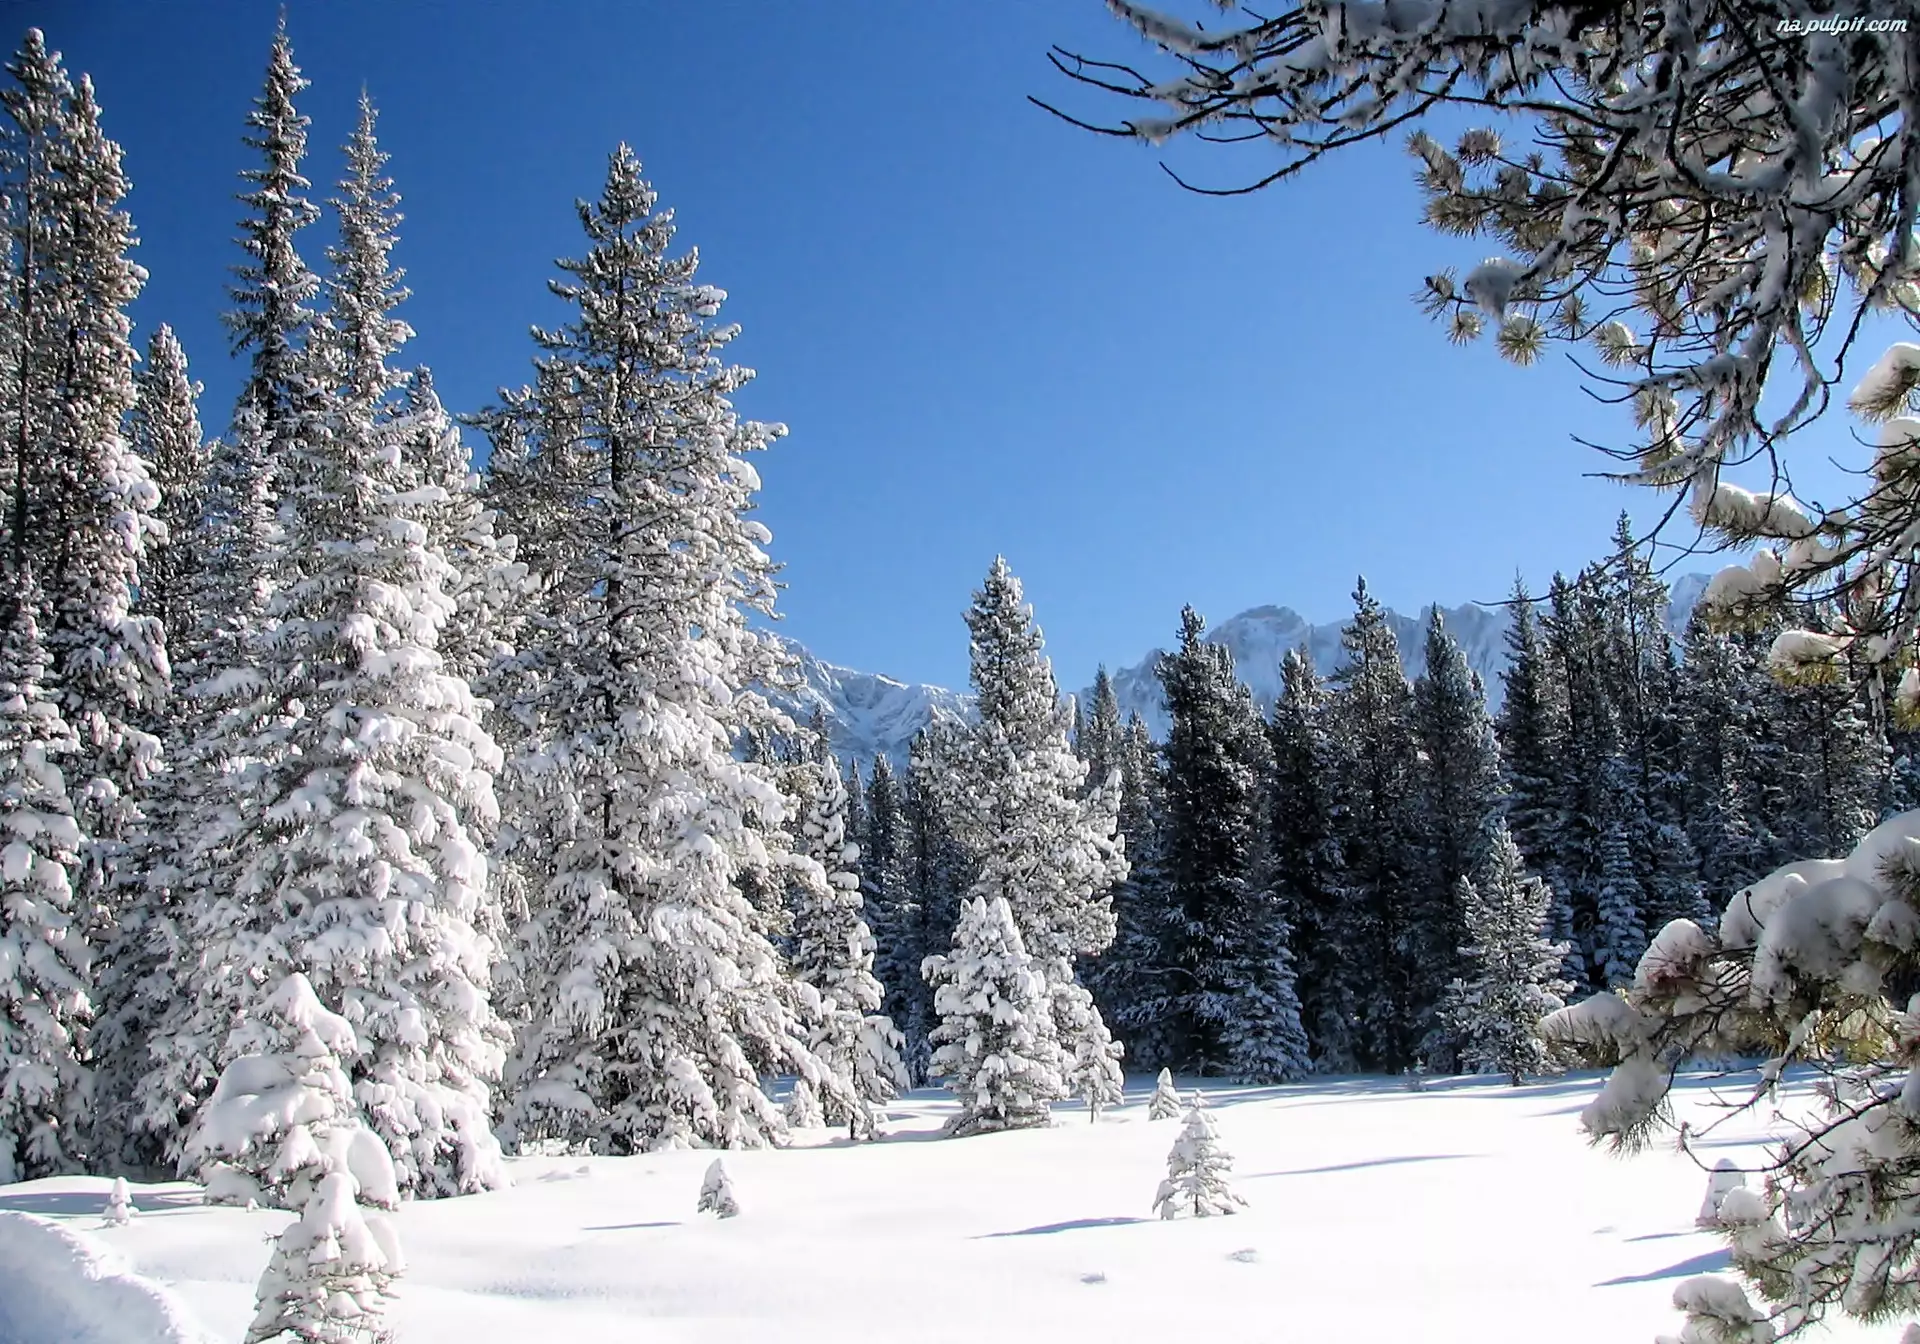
{"points": [[1468, 1211]]}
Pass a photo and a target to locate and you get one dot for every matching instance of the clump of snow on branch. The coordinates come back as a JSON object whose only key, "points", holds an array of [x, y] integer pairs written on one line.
{"points": [[1808, 966]]}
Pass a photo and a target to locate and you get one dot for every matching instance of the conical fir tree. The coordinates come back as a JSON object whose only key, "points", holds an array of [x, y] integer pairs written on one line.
{"points": [[1101, 737], [1038, 845], [43, 951], [164, 430], [833, 953], [1532, 732], [97, 514], [1233, 1005], [1459, 797], [227, 717], [1513, 972], [360, 868], [995, 1042], [654, 1001], [1128, 980], [938, 872], [1370, 725], [1307, 869], [891, 911]]}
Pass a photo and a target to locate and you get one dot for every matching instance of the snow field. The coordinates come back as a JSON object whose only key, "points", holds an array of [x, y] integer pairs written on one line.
{"points": [[1466, 1211]]}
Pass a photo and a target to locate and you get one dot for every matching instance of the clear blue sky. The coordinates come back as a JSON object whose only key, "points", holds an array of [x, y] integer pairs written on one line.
{"points": [[989, 332]]}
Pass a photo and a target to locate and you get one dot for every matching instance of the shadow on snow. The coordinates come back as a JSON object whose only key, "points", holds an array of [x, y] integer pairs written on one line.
{"points": [[1048, 1229]]}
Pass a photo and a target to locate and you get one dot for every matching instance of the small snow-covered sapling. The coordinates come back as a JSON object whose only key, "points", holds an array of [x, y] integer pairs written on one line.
{"points": [[803, 1107], [119, 1203], [1722, 1181], [330, 1277], [1197, 1170], [716, 1193], [1165, 1102]]}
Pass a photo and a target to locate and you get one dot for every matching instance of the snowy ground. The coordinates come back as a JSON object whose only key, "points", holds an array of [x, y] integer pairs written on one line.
{"points": [[1470, 1211]]}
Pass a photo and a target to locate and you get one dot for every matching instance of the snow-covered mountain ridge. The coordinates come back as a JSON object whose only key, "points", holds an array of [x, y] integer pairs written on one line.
{"points": [[868, 714]]}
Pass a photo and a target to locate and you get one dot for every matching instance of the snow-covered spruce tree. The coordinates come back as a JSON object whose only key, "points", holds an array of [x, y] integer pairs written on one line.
{"points": [[937, 873], [1226, 1010], [1720, 683], [164, 429], [192, 821], [1197, 1167], [1370, 731], [1619, 937], [1164, 1104], [330, 1277], [1129, 979], [488, 579], [654, 1001], [886, 893], [855, 822], [1093, 1072], [1306, 868], [44, 963], [1809, 966], [97, 509], [1594, 785], [803, 1107], [1458, 787], [282, 1117], [1100, 738], [833, 953], [1532, 732], [1512, 977], [228, 714], [140, 953], [358, 866], [36, 97], [995, 1043], [1052, 855]]}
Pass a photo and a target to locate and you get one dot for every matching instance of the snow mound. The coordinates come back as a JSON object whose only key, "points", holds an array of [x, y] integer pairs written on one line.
{"points": [[82, 1292]]}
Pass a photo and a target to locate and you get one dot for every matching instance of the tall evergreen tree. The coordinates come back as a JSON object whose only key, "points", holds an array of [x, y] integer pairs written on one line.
{"points": [[1512, 975], [164, 429], [225, 732], [44, 959], [359, 867], [1230, 996], [939, 872], [1459, 794], [1532, 733], [1099, 739], [1052, 855], [1619, 936], [652, 818], [833, 954], [37, 99], [1370, 721], [1717, 689], [891, 910], [1307, 866], [98, 509], [1128, 980]]}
